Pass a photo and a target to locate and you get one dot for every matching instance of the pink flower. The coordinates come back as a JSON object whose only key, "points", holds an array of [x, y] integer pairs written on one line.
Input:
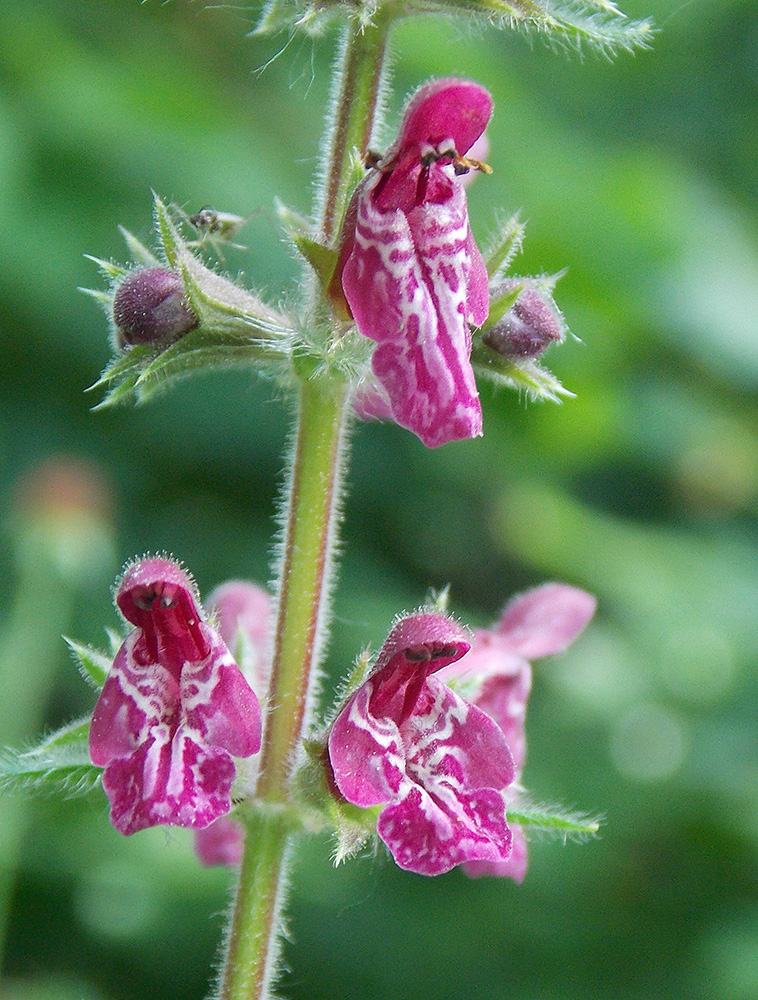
{"points": [[221, 843], [498, 677], [243, 610], [440, 765], [410, 270], [174, 708]]}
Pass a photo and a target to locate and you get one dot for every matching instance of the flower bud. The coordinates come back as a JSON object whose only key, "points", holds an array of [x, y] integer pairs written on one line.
{"points": [[149, 306], [529, 327]]}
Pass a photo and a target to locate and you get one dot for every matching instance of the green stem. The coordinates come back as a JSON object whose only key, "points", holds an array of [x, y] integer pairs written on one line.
{"points": [[304, 588], [355, 103], [253, 944], [305, 571]]}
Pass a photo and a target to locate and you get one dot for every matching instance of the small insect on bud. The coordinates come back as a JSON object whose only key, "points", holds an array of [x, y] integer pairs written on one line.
{"points": [[149, 306], [529, 327]]}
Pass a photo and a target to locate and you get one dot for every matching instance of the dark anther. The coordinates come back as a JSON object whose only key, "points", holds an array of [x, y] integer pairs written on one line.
{"points": [[144, 599], [417, 654], [448, 650]]}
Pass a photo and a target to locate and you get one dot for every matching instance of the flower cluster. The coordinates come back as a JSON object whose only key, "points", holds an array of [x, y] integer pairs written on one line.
{"points": [[174, 709]]}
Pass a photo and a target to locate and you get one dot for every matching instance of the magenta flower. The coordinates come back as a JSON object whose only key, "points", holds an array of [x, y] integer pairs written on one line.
{"points": [[498, 677], [243, 610], [437, 763], [221, 843], [409, 268], [174, 708]]}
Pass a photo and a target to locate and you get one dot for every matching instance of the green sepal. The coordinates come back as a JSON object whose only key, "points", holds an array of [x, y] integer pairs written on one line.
{"points": [[505, 246], [58, 765], [140, 253], [553, 820], [500, 304], [167, 232], [92, 664], [524, 376], [322, 259], [110, 269]]}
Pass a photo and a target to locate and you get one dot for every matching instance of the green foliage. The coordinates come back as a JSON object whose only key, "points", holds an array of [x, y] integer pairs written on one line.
{"points": [[58, 765]]}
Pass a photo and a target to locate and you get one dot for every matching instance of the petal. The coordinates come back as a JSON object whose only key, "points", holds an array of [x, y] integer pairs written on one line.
{"points": [[221, 843], [446, 109], [430, 837], [514, 868], [477, 285], [135, 698], [161, 599], [449, 740], [417, 646], [546, 620], [406, 283], [504, 699], [366, 753], [452, 809], [218, 704], [173, 781], [244, 610], [371, 401]]}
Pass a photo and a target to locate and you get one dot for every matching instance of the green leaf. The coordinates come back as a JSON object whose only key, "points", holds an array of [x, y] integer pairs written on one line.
{"points": [[58, 765], [597, 23], [93, 665]]}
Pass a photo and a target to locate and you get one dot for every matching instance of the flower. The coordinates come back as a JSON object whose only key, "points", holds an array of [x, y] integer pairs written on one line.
{"points": [[174, 708], [243, 612], [497, 676], [410, 270], [438, 764], [221, 843]]}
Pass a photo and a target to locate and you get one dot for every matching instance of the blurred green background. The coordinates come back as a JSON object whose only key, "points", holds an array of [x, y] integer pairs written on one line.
{"points": [[641, 177]]}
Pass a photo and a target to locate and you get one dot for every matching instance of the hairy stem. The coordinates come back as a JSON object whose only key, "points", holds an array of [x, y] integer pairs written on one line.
{"points": [[253, 943], [355, 101]]}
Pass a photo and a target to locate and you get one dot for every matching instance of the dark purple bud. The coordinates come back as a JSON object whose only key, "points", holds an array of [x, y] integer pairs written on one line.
{"points": [[530, 326], [149, 306]]}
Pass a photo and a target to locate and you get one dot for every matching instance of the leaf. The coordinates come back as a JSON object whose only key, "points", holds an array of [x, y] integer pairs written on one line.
{"points": [[58, 765], [597, 23]]}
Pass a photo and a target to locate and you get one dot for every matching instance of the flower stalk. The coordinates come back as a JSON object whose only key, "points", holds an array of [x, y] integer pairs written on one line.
{"points": [[356, 99], [306, 561]]}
